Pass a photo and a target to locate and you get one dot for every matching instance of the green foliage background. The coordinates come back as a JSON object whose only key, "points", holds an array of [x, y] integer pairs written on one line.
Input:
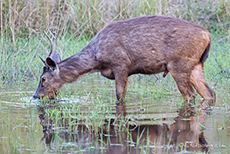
{"points": [[23, 18]]}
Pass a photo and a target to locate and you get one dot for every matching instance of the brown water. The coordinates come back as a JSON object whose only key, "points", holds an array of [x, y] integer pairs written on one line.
{"points": [[84, 125]]}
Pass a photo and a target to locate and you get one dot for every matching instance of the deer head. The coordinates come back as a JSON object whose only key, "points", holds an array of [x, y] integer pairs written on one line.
{"points": [[48, 85]]}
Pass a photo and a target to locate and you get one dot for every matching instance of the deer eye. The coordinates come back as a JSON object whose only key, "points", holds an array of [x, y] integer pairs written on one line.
{"points": [[43, 79]]}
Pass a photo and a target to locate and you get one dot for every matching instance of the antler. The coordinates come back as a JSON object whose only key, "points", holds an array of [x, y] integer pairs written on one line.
{"points": [[51, 45], [42, 59], [55, 39], [55, 48]]}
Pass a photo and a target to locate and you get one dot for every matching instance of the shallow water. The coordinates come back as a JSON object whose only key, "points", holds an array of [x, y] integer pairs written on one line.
{"points": [[89, 125]]}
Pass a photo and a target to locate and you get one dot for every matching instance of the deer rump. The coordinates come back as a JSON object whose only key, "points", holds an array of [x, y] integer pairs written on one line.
{"points": [[147, 45]]}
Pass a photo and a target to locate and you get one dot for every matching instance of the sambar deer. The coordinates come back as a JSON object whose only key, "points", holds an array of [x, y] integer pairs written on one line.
{"points": [[146, 45]]}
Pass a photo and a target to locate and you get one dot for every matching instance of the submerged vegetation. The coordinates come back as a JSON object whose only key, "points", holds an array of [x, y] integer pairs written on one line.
{"points": [[86, 110]]}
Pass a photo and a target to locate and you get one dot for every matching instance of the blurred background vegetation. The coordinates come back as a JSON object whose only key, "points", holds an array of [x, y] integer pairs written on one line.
{"points": [[22, 23], [84, 18]]}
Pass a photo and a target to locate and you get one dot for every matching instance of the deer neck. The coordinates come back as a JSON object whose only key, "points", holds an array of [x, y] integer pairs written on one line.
{"points": [[78, 65]]}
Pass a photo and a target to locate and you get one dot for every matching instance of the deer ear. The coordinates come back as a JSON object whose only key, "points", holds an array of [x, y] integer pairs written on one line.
{"points": [[50, 62], [56, 57]]}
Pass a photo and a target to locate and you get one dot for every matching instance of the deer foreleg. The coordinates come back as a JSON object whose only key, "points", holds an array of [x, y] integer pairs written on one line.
{"points": [[121, 79]]}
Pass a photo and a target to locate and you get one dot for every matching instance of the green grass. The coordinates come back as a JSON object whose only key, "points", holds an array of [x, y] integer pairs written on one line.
{"points": [[23, 65]]}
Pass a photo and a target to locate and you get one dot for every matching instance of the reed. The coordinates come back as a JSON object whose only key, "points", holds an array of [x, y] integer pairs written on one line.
{"points": [[84, 18]]}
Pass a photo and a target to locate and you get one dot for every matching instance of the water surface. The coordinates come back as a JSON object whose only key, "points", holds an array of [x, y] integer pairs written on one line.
{"points": [[88, 124]]}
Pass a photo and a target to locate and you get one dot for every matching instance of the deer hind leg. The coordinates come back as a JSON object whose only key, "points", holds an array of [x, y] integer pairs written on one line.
{"points": [[182, 77], [199, 83], [121, 80]]}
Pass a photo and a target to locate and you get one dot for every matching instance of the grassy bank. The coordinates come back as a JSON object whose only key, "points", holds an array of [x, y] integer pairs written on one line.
{"points": [[24, 65], [22, 23]]}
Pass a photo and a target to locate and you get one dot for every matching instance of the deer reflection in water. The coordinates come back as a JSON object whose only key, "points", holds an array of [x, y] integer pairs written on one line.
{"points": [[118, 136]]}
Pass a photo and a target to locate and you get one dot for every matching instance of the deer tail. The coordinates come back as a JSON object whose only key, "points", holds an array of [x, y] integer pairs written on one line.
{"points": [[205, 54]]}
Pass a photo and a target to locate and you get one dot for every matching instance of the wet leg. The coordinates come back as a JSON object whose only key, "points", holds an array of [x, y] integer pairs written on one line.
{"points": [[184, 85], [121, 79], [198, 81]]}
